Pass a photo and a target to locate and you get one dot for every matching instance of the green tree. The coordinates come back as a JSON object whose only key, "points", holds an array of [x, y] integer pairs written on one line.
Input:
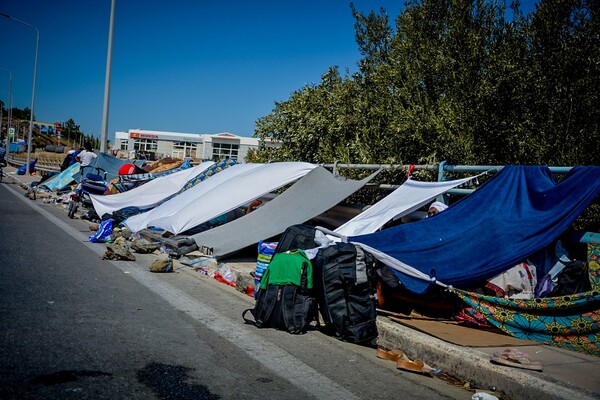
{"points": [[470, 82], [565, 62], [73, 132], [23, 114]]}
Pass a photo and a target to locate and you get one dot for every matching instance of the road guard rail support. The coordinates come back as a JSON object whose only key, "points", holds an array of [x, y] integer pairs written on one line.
{"points": [[443, 169]]}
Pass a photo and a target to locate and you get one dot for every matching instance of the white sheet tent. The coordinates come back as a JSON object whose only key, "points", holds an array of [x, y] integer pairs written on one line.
{"points": [[221, 193], [307, 198], [149, 194], [409, 197]]}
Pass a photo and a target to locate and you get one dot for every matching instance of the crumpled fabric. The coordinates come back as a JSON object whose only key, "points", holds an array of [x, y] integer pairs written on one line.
{"points": [[104, 232]]}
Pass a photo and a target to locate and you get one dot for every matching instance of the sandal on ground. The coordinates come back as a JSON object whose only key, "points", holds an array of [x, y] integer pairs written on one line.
{"points": [[403, 362], [391, 355], [517, 359], [414, 366]]}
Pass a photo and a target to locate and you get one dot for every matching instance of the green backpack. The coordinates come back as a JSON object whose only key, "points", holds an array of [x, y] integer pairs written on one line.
{"points": [[285, 299]]}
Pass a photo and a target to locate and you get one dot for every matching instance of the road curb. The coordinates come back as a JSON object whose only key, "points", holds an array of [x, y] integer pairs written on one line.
{"points": [[474, 366]]}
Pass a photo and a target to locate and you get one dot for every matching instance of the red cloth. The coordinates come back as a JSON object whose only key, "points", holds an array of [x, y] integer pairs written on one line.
{"points": [[220, 278], [127, 169], [411, 169]]}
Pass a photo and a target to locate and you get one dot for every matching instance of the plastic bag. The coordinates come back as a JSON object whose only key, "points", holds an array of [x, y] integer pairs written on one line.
{"points": [[224, 271], [104, 232]]}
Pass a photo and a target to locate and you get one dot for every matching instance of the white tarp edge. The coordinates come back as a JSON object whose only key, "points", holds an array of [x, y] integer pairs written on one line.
{"points": [[398, 265], [223, 192], [149, 194], [171, 207], [409, 197]]}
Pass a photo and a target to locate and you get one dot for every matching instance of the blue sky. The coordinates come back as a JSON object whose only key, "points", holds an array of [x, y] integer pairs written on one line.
{"points": [[200, 66]]}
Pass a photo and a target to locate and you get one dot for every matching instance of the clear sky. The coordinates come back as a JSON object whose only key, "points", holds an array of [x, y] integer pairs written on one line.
{"points": [[199, 66]]}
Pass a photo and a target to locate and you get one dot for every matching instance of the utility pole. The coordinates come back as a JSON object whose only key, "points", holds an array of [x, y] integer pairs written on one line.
{"points": [[1, 117], [37, 47], [103, 134]]}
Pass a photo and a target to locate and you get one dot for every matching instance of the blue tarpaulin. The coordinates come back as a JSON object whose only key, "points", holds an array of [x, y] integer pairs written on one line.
{"points": [[106, 163], [517, 212]]}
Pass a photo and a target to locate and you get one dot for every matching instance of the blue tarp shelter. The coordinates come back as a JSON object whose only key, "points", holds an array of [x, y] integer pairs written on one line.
{"points": [[109, 164], [517, 212]]}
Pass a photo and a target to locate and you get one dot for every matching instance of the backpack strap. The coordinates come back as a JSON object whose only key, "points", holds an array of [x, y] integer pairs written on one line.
{"points": [[304, 278], [289, 296], [246, 320]]}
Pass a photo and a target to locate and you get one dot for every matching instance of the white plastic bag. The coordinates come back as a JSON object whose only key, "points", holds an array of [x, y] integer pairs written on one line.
{"points": [[483, 396]]}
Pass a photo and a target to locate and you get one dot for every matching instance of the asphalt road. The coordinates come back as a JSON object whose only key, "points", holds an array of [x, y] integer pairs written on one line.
{"points": [[74, 326]]}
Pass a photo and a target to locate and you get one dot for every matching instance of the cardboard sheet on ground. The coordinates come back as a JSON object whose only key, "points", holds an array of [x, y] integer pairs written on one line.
{"points": [[452, 332], [312, 195]]}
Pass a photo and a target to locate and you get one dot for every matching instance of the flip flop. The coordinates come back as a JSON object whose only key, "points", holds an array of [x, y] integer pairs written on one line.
{"points": [[403, 362], [391, 355], [417, 366], [517, 359], [426, 369]]}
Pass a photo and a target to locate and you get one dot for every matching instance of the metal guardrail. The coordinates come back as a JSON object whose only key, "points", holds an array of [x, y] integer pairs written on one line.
{"points": [[443, 168], [44, 164]]}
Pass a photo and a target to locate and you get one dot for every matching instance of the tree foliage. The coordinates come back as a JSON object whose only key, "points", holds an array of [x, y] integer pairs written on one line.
{"points": [[469, 82]]}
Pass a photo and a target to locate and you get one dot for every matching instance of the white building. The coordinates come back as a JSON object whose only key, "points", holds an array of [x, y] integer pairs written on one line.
{"points": [[156, 144]]}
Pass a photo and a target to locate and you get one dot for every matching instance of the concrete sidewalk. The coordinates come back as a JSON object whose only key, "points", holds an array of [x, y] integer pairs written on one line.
{"points": [[566, 375]]}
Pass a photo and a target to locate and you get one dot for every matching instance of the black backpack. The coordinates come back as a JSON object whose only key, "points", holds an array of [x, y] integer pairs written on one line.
{"points": [[300, 236], [345, 285], [282, 303], [574, 278]]}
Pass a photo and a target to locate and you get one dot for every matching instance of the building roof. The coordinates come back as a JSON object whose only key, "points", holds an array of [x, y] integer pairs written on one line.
{"points": [[196, 137]]}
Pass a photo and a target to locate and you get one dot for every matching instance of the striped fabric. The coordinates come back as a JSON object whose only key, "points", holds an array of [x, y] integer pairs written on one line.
{"points": [[571, 322], [265, 253]]}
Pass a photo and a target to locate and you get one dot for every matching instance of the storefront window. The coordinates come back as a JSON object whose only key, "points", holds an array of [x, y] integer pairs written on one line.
{"points": [[145, 145], [185, 149], [225, 150]]}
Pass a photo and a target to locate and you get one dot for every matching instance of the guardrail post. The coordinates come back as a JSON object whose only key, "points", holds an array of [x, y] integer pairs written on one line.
{"points": [[442, 177], [441, 173]]}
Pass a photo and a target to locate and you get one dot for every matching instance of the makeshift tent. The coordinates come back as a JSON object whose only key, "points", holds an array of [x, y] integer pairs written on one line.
{"points": [[161, 171], [410, 196], [517, 212], [61, 180], [210, 171], [217, 167], [220, 194], [106, 163], [297, 204], [571, 322], [132, 176], [149, 194], [186, 199]]}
